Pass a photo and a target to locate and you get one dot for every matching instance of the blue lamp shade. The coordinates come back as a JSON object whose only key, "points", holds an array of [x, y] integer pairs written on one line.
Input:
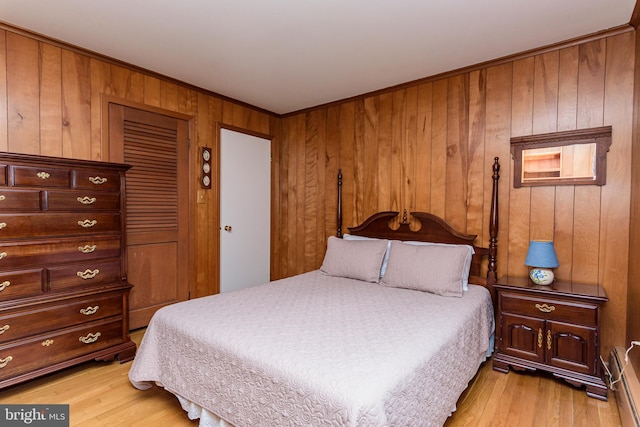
{"points": [[541, 254], [541, 257]]}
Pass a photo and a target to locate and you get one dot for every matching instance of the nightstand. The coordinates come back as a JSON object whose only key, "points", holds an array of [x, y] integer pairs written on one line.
{"points": [[554, 328]]}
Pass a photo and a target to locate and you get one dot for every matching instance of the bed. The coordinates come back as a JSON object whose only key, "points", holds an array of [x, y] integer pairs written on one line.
{"points": [[388, 332]]}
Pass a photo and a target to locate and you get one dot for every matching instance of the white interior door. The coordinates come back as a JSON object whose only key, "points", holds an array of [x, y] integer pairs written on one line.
{"points": [[245, 210]]}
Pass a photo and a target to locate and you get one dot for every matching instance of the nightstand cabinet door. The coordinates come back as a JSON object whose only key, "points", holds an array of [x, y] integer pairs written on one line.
{"points": [[571, 347], [523, 337]]}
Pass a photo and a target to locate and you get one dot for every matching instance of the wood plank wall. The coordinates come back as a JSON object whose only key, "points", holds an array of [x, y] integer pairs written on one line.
{"points": [[429, 147], [51, 102]]}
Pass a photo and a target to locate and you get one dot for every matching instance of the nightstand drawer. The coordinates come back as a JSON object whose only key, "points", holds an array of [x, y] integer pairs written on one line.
{"points": [[549, 309]]}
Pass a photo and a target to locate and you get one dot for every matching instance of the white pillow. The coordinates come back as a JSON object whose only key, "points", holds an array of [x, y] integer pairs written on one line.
{"points": [[386, 254], [430, 268], [354, 259], [467, 265]]}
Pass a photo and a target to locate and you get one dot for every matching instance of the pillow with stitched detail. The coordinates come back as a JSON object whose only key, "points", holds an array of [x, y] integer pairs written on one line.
{"points": [[354, 259], [386, 254], [429, 268], [467, 264]]}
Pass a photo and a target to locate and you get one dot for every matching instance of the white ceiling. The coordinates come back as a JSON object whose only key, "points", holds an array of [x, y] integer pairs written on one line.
{"points": [[287, 55]]}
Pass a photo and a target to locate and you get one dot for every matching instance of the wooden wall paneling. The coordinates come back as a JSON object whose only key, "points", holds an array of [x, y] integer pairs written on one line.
{"points": [[398, 127], [3, 91], [384, 152], [311, 196], [169, 95], [300, 193], [23, 94], [545, 119], [439, 147], [288, 159], [120, 82], [497, 137], [51, 101], [151, 91], [591, 73], [476, 167], [332, 164], [276, 201], [520, 198], [347, 162], [409, 149], [359, 159], [423, 147], [370, 147], [324, 177], [457, 151], [76, 105], [100, 86], [205, 278], [616, 205], [633, 294], [136, 89]]}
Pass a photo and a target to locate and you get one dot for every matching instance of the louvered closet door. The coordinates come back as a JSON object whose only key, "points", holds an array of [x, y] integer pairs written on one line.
{"points": [[157, 207]]}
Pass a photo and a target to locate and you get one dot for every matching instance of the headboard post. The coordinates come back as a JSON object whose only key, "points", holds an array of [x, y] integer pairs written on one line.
{"points": [[493, 226], [339, 218]]}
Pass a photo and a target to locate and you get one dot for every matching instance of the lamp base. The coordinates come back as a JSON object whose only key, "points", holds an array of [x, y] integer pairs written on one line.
{"points": [[541, 276]]}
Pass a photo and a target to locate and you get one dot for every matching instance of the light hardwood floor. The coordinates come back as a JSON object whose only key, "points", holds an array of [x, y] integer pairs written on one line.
{"points": [[99, 394]]}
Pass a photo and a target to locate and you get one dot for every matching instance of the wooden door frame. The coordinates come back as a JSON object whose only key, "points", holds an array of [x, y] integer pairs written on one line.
{"points": [[192, 153], [216, 211]]}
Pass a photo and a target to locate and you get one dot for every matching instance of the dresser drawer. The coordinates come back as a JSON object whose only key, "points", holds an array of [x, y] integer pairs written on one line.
{"points": [[15, 284], [20, 200], [82, 201], [549, 309], [43, 350], [44, 225], [27, 176], [21, 254], [84, 274], [22, 322], [96, 179]]}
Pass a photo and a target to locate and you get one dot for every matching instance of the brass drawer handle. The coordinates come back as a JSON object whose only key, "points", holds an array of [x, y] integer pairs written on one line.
{"points": [[97, 180], [90, 338], [5, 361], [43, 175], [2, 197], [545, 308], [4, 285], [4, 329], [87, 249], [549, 339], [3, 255], [86, 200], [47, 343], [540, 338], [3, 225], [88, 274], [89, 310], [87, 223]]}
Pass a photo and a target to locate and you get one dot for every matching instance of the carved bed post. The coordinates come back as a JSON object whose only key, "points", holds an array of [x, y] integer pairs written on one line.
{"points": [[339, 219], [493, 226]]}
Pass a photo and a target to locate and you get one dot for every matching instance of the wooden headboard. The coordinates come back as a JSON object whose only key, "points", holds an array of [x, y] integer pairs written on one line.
{"points": [[431, 228]]}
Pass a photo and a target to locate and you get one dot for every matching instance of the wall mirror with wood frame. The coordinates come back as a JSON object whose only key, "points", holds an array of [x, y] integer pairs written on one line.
{"points": [[577, 157]]}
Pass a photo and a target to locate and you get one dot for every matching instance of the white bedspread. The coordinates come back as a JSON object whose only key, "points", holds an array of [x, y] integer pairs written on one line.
{"points": [[315, 350]]}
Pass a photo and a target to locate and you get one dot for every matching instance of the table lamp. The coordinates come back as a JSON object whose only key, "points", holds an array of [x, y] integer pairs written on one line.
{"points": [[541, 257]]}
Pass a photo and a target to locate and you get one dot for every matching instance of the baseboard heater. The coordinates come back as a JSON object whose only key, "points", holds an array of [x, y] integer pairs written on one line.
{"points": [[627, 390]]}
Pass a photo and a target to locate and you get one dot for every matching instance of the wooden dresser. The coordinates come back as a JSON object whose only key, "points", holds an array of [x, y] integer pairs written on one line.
{"points": [[63, 282], [553, 328]]}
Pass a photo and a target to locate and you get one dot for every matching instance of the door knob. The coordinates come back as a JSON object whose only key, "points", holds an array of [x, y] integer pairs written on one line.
{"points": [[227, 228]]}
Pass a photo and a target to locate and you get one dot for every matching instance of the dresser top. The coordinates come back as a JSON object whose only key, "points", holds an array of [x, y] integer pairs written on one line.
{"points": [[557, 288]]}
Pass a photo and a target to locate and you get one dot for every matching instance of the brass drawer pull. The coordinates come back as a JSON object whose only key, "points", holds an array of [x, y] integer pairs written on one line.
{"points": [[549, 339], [97, 180], [540, 338], [3, 225], [87, 223], [47, 343], [545, 308], [43, 175], [89, 310], [4, 285], [88, 274], [86, 200], [5, 361], [4, 329], [90, 338], [3, 255], [87, 249], [2, 197]]}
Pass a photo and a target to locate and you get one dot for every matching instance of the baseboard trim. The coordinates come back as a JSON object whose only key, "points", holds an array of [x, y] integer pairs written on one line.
{"points": [[627, 390]]}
